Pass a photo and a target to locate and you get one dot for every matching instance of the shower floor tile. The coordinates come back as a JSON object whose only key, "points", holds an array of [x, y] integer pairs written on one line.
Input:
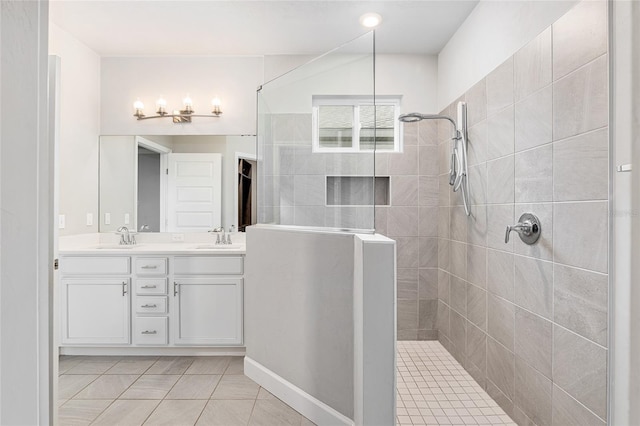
{"points": [[434, 389]]}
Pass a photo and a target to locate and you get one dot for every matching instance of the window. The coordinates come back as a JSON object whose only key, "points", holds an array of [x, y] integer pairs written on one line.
{"points": [[355, 124]]}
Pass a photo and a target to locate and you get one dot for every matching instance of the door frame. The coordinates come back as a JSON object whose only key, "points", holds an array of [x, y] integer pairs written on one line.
{"points": [[164, 164], [239, 156]]}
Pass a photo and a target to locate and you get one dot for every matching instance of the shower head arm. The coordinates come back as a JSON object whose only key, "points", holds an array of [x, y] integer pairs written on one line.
{"points": [[415, 116]]}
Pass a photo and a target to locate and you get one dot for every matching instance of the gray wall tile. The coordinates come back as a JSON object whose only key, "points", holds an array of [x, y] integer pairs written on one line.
{"points": [[458, 333], [579, 36], [501, 367], [500, 320], [428, 191], [580, 100], [581, 167], [477, 265], [477, 226], [534, 285], [443, 285], [428, 283], [500, 178], [533, 393], [407, 283], [477, 146], [580, 302], [533, 341], [458, 295], [476, 99], [534, 175], [478, 184], [407, 314], [427, 314], [443, 254], [543, 248], [500, 133], [532, 65], [442, 319], [404, 190], [428, 160], [428, 132], [443, 222], [307, 162], [407, 252], [308, 215], [477, 306], [405, 163], [534, 120], [428, 252], [444, 191], [500, 273], [477, 347], [458, 259], [444, 158], [498, 396], [381, 214], [402, 221], [580, 369], [569, 412], [577, 226], [458, 224], [309, 190], [500, 87]]}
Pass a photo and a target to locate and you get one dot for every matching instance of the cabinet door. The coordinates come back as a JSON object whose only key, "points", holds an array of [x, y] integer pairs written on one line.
{"points": [[95, 311], [207, 311]]}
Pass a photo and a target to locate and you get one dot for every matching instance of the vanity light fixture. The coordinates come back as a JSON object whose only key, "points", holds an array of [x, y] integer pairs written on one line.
{"points": [[370, 20], [179, 116]]}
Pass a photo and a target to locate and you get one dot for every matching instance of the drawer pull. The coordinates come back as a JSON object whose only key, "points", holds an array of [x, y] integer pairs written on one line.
{"points": [[149, 286], [150, 267], [149, 306], [149, 332], [124, 288], [175, 288]]}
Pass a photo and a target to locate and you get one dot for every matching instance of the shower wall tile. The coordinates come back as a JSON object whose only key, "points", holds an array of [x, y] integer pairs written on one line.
{"points": [[498, 218], [569, 412], [442, 319], [580, 100], [498, 396], [428, 221], [500, 87], [444, 158], [458, 334], [580, 302], [579, 37], [404, 190], [477, 347], [444, 280], [428, 160], [500, 178], [428, 252], [458, 255], [500, 274], [543, 248], [308, 215], [402, 221], [477, 226], [407, 314], [407, 283], [458, 224], [407, 252], [427, 313], [533, 340], [580, 235], [428, 133], [381, 162], [534, 120], [443, 254], [580, 369], [404, 163], [534, 285], [500, 320], [521, 418], [478, 184], [501, 368], [428, 190], [477, 265], [476, 99], [477, 306], [410, 133], [307, 162], [443, 222], [532, 65], [309, 190], [534, 175], [381, 215], [478, 144], [581, 167], [444, 191], [458, 295], [533, 393], [500, 133], [428, 283]]}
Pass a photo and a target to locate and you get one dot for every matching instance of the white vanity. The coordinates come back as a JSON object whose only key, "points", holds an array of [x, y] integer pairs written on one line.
{"points": [[150, 297]]}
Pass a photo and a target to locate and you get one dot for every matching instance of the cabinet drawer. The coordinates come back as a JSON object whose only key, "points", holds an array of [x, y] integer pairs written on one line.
{"points": [[151, 305], [151, 266], [199, 265], [151, 286], [95, 265], [150, 331]]}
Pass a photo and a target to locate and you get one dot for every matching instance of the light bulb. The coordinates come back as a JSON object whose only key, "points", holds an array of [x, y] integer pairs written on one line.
{"points": [[161, 105], [370, 20], [215, 103], [187, 102], [138, 105]]}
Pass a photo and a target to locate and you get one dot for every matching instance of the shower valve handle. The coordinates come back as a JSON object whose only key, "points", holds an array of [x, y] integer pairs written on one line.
{"points": [[528, 227]]}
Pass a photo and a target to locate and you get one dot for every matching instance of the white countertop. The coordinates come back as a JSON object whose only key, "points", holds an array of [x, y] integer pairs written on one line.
{"points": [[150, 243]]}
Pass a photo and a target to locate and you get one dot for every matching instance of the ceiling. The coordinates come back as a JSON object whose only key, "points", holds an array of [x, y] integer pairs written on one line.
{"points": [[239, 27]]}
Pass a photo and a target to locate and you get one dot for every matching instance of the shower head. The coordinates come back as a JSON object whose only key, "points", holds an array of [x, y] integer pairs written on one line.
{"points": [[414, 116]]}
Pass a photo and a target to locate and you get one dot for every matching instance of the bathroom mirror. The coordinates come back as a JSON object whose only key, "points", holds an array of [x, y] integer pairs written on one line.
{"points": [[137, 186]]}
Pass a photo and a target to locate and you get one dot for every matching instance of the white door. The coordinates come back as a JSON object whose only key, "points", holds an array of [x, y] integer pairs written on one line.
{"points": [[207, 311], [95, 311], [195, 192]]}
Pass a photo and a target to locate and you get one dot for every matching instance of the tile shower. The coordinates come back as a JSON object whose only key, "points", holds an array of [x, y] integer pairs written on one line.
{"points": [[530, 323]]}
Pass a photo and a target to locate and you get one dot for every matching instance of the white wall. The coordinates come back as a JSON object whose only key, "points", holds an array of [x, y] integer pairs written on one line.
{"points": [[233, 79], [25, 215], [79, 130], [492, 33]]}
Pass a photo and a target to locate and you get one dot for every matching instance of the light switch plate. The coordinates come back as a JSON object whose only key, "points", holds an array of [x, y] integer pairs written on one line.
{"points": [[107, 218], [177, 237], [61, 221], [89, 219]]}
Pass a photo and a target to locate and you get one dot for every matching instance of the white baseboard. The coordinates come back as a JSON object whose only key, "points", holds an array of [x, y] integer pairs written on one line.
{"points": [[310, 407], [172, 351]]}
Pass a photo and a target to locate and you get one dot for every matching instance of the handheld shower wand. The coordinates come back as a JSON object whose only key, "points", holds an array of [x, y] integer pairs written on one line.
{"points": [[458, 169]]}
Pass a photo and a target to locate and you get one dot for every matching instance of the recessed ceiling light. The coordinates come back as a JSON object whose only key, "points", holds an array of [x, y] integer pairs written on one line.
{"points": [[370, 20]]}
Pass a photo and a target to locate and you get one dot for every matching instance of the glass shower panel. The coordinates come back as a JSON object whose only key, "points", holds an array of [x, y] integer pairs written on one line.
{"points": [[316, 140]]}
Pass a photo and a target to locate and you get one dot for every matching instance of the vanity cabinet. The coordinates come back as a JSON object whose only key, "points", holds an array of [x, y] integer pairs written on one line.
{"points": [[152, 301], [95, 301]]}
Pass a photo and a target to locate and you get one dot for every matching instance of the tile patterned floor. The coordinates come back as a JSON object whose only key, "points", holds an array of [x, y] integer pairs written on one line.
{"points": [[165, 391], [434, 389]]}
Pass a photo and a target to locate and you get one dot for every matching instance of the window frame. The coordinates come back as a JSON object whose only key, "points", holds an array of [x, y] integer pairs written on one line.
{"points": [[356, 102]]}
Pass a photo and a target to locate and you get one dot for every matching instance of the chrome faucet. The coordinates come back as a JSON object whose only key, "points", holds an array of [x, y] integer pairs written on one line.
{"points": [[219, 230], [126, 238]]}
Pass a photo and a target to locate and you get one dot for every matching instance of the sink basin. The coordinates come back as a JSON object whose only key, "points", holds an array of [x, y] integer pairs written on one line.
{"points": [[115, 247], [217, 247]]}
